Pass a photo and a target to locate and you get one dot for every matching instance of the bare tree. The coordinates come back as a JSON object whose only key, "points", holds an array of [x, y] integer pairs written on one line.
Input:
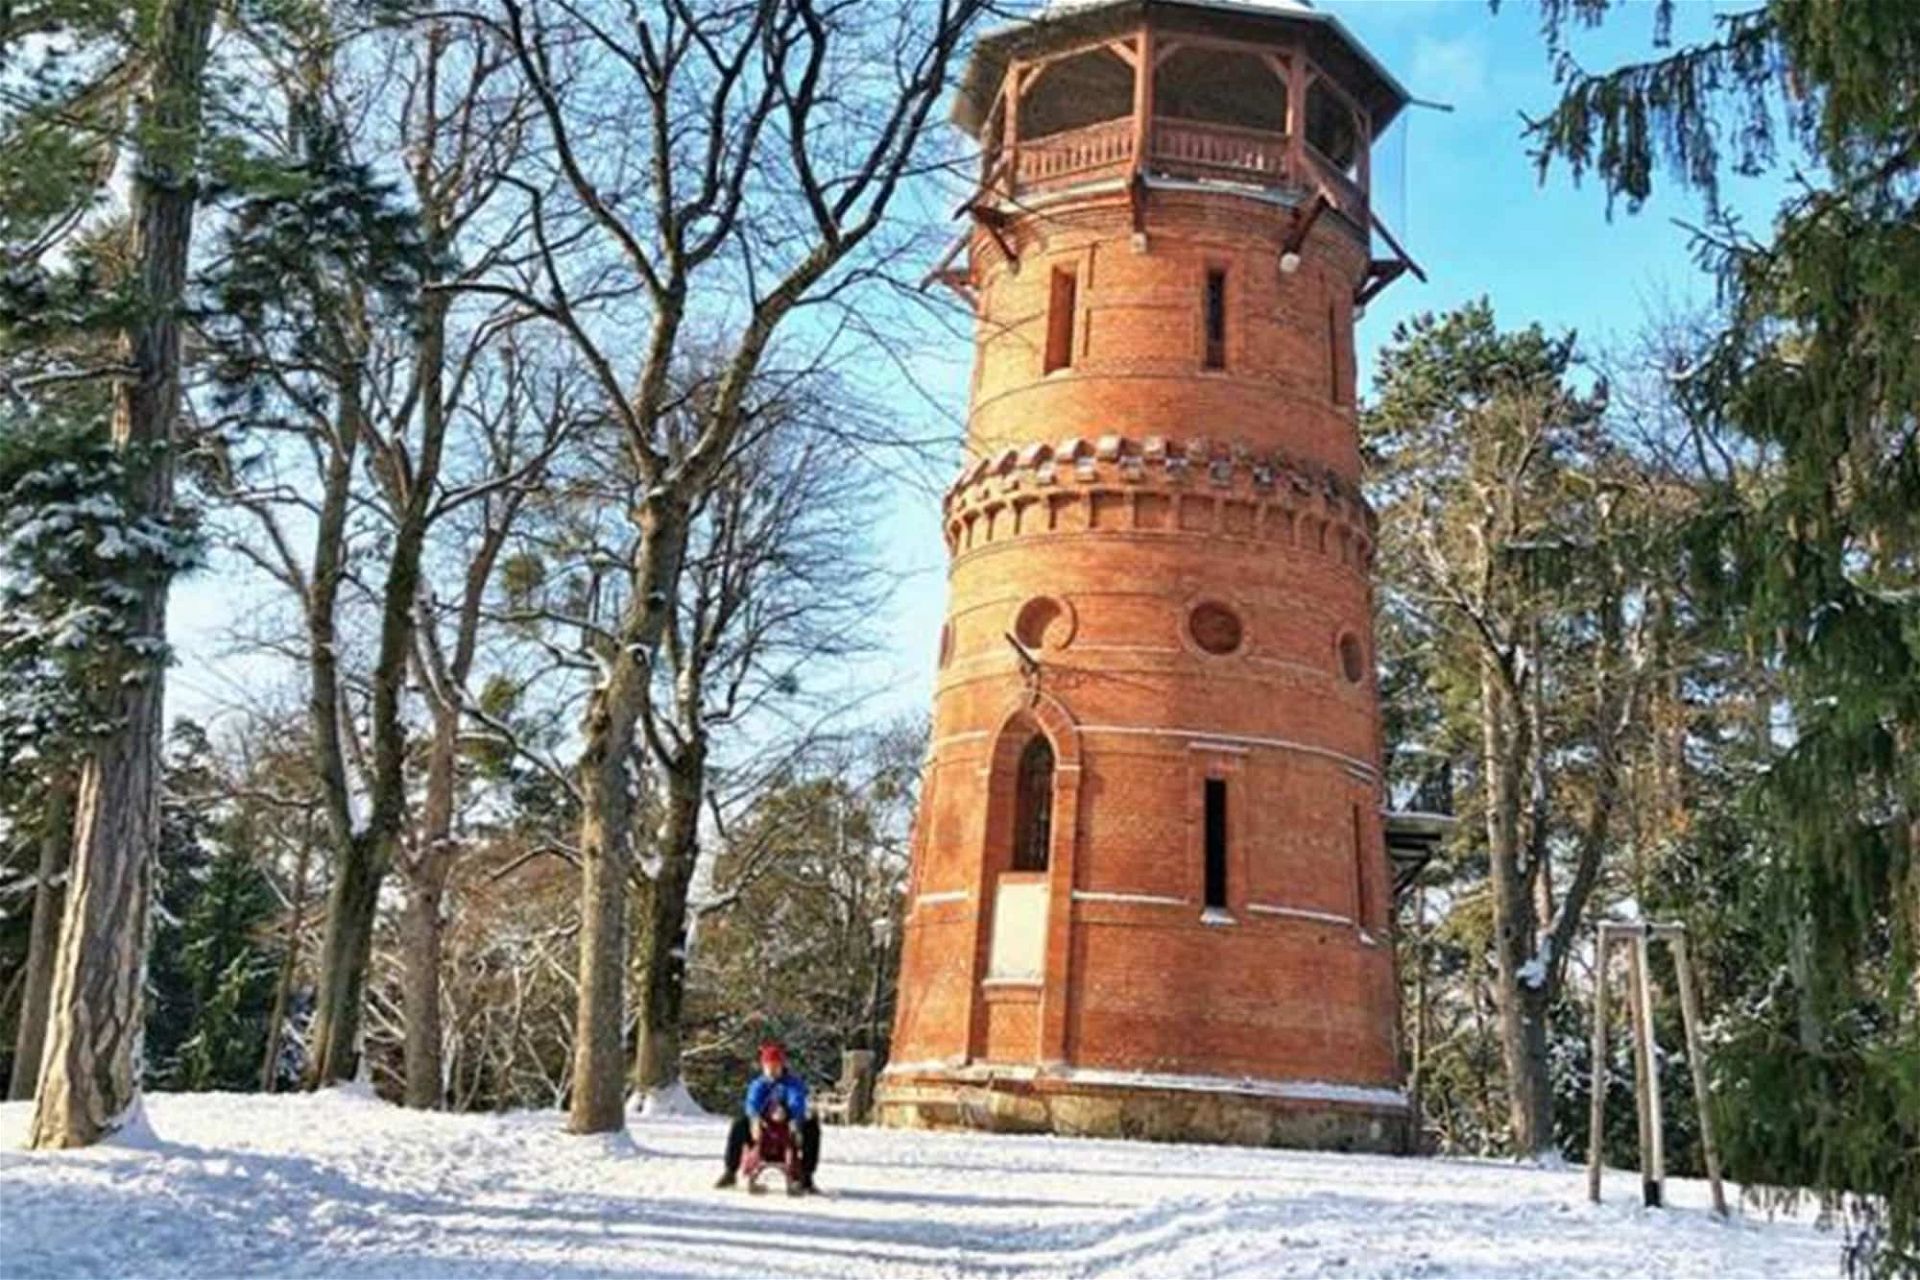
{"points": [[460, 142], [776, 588], [1519, 538], [773, 140], [519, 424], [371, 362]]}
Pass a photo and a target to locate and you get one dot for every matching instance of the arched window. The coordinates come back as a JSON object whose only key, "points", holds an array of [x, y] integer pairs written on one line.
{"points": [[1075, 92], [1221, 87], [1033, 806], [1332, 129]]}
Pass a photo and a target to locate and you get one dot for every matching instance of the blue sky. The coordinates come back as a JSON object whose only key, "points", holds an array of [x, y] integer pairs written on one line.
{"points": [[1460, 191], [1457, 187]]}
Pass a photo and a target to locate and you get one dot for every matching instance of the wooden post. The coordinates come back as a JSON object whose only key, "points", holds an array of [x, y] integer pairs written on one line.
{"points": [[1597, 1125], [1297, 113], [1015, 86], [1363, 125], [1143, 108], [1145, 68], [1696, 1062], [1639, 1052], [1652, 1157]]}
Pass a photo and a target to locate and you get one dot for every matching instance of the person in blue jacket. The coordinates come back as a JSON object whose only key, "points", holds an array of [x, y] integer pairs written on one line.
{"points": [[775, 1082]]}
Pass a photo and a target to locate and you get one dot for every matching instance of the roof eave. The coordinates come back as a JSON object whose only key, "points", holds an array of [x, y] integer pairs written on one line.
{"points": [[973, 101]]}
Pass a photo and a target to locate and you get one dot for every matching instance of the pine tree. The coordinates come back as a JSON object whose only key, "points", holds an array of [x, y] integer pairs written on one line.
{"points": [[211, 978], [1513, 539], [99, 80], [1815, 372], [75, 550]]}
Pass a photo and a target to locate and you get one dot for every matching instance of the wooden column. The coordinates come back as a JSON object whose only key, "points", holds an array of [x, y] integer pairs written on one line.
{"points": [[1297, 114], [1652, 1157], [1363, 125], [1597, 1123], [1697, 1063], [1016, 79], [1143, 77]]}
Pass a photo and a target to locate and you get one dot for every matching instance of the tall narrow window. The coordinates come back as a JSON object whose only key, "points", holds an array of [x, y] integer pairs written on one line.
{"points": [[1060, 315], [1216, 305], [1033, 807], [1216, 843], [1362, 907]]}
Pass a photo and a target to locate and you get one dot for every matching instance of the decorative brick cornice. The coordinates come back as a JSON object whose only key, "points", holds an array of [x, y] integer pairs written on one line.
{"points": [[1209, 486]]}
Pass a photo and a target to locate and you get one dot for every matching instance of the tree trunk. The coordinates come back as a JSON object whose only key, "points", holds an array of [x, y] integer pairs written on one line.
{"points": [[289, 961], [330, 726], [660, 983], [606, 820], [605, 859], [420, 990], [90, 1074], [661, 972], [49, 894], [1521, 1002], [422, 929], [346, 954]]}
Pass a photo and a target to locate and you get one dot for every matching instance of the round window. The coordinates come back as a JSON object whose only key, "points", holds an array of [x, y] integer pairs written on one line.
{"points": [[1044, 623], [1353, 659], [1214, 627]]}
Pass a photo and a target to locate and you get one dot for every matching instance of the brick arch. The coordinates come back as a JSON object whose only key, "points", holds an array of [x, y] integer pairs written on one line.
{"points": [[1025, 714]]}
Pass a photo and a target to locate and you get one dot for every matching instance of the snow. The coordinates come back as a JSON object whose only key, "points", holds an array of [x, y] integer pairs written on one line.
{"points": [[340, 1184], [671, 1103], [1314, 1090]]}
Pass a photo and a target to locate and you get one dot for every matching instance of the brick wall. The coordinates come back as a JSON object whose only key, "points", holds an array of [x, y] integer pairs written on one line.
{"points": [[1126, 490]]}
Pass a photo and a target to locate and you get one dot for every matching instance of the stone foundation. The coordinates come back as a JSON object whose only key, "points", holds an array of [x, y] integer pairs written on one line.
{"points": [[1028, 1102]]}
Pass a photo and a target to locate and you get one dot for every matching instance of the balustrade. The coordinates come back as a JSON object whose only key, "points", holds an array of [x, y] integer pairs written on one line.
{"points": [[1217, 147], [1076, 151], [1187, 148]]}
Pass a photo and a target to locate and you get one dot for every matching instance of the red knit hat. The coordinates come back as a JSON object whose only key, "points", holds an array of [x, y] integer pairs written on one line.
{"points": [[771, 1054]]}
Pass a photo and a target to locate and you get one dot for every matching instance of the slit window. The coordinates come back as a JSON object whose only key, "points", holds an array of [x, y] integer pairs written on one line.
{"points": [[1216, 804], [1061, 304], [1362, 908], [1336, 356], [1216, 318], [1033, 807]]}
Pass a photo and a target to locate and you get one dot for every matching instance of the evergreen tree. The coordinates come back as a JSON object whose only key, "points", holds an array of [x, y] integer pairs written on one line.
{"points": [[210, 980], [87, 81], [75, 550], [1511, 528], [1816, 371]]}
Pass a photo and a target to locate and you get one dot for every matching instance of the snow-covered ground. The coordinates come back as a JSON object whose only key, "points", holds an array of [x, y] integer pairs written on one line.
{"points": [[343, 1185]]}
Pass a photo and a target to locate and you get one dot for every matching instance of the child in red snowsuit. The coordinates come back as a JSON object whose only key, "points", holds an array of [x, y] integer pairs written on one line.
{"points": [[795, 1144], [776, 1146]]}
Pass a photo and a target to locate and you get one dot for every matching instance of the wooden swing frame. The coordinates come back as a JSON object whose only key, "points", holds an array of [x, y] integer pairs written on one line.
{"points": [[1636, 938]]}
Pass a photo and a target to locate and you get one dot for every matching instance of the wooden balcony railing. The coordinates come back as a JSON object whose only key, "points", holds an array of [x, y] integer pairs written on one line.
{"points": [[1185, 148], [1346, 194], [1218, 148], [1076, 151]]}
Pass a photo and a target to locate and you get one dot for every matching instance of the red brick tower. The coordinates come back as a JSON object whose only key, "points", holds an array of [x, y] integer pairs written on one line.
{"points": [[1150, 894]]}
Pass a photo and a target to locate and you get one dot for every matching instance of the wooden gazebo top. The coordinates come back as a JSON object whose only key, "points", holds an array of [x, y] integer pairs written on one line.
{"points": [[1262, 93]]}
